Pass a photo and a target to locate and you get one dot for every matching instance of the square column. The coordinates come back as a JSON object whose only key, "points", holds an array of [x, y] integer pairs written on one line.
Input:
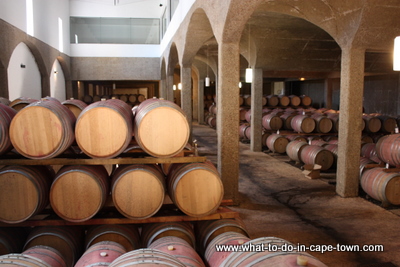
{"points": [[200, 102], [228, 118], [256, 110], [169, 91], [350, 121], [186, 94]]}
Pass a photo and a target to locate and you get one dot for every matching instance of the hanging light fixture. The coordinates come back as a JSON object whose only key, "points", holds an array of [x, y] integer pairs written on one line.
{"points": [[249, 71], [396, 54], [207, 80]]}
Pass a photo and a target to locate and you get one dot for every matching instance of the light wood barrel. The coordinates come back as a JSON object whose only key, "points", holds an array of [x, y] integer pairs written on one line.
{"points": [[271, 258], [75, 105], [79, 192], [146, 257], [368, 150], [154, 231], [24, 192], [132, 98], [388, 123], [272, 122], [6, 116], [372, 124], [241, 100], [138, 190], [66, 240], [247, 100], [287, 120], [272, 100], [161, 128], [323, 124], [48, 255], [195, 188], [43, 129], [381, 185], [104, 128], [317, 155], [21, 102], [101, 254], [12, 240], [206, 231], [140, 98], [124, 98], [388, 149], [180, 249], [125, 235], [277, 143], [295, 100], [306, 100], [284, 100], [293, 149], [303, 124], [215, 258]]}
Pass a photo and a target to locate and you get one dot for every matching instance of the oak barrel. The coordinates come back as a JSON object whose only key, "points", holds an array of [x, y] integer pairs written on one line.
{"points": [[154, 231], [146, 257], [138, 190], [47, 255], [132, 98], [24, 192], [21, 102], [6, 116], [101, 254], [179, 248], [323, 124], [381, 185], [277, 143], [242, 113], [75, 105], [388, 149], [303, 124], [79, 192], [363, 164], [67, 240], [305, 100], [43, 129], [317, 155], [284, 100], [12, 240], [88, 99], [293, 149], [125, 235], [372, 124], [242, 131], [388, 123], [287, 120], [368, 150], [272, 122], [161, 128], [14, 259], [195, 188], [104, 128], [295, 100]]}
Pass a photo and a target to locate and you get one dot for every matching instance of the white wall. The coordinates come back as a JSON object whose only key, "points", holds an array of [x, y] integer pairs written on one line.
{"points": [[23, 81], [45, 19], [57, 82], [114, 50]]}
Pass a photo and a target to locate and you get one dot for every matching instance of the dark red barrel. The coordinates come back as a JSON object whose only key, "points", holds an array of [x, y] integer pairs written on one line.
{"points": [[317, 155]]}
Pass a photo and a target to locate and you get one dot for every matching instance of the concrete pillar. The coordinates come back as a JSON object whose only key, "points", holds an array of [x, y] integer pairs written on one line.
{"points": [[351, 97], [169, 92], [256, 110], [200, 102], [186, 94], [162, 93], [4, 82], [195, 101], [228, 118], [328, 93]]}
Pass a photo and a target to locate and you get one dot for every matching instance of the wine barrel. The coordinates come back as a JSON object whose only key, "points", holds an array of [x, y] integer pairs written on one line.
{"points": [[125, 235], [247, 116], [132, 98], [271, 258], [88, 99], [215, 258], [272, 122], [6, 116], [124, 98], [284, 100], [293, 149], [21, 102], [42, 130], [381, 185], [13, 259], [23, 192], [264, 138], [323, 124], [303, 124], [47, 255], [195, 188], [154, 231], [12, 240], [138, 190], [305, 100], [140, 98], [363, 164], [277, 143], [5, 101], [242, 114], [287, 120], [241, 100], [247, 100], [66, 240], [146, 257], [372, 124], [388, 149], [161, 128], [180, 249], [388, 124], [101, 254], [96, 98], [79, 192], [293, 137], [104, 128], [213, 109], [318, 142], [272, 100], [317, 155], [206, 231], [295, 100], [242, 131], [75, 105], [212, 121], [368, 150]]}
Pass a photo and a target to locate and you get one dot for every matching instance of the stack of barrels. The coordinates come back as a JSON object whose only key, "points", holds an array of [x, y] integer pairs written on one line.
{"points": [[47, 128], [165, 244], [130, 99]]}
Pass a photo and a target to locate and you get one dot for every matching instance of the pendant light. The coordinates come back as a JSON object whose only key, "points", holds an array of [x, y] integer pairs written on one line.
{"points": [[396, 54], [249, 71], [207, 80]]}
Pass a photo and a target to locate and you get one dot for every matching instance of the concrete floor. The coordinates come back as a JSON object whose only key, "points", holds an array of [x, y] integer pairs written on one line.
{"points": [[277, 200]]}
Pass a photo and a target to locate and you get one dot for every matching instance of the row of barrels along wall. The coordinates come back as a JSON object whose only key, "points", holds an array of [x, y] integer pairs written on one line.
{"points": [[131, 99], [171, 244]]}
